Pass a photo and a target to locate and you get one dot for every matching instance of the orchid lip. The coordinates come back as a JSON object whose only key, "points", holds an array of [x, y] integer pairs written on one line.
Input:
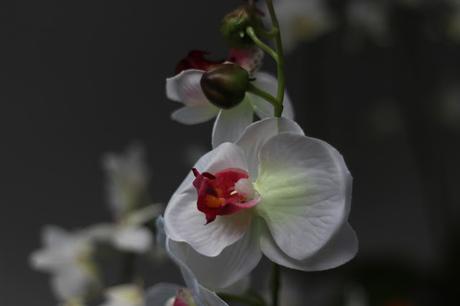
{"points": [[223, 193]]}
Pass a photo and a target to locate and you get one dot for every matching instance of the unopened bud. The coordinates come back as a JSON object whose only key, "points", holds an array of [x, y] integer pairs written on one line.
{"points": [[234, 25], [225, 85]]}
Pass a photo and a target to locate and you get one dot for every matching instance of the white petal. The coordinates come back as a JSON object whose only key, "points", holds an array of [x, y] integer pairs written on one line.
{"points": [[100, 232], [305, 186], [127, 180], [263, 108], [234, 263], [230, 123], [186, 88], [210, 298], [159, 294], [184, 222], [124, 295], [53, 235], [238, 288], [195, 114], [144, 215], [134, 239], [255, 136], [341, 248], [70, 283]]}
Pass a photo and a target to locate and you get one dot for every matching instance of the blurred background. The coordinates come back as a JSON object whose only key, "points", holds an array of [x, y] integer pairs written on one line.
{"points": [[381, 83]]}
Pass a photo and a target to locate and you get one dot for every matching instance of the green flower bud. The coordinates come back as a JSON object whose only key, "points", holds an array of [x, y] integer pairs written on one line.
{"points": [[225, 85], [234, 26]]}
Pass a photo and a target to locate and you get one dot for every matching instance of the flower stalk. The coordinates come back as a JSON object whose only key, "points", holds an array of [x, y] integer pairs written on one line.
{"points": [[277, 54], [275, 284]]}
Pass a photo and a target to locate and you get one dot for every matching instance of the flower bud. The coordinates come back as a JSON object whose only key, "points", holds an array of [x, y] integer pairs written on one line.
{"points": [[225, 85], [235, 23]]}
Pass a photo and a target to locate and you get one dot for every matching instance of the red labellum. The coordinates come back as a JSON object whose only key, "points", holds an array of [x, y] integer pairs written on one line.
{"points": [[195, 59], [179, 302], [217, 193]]}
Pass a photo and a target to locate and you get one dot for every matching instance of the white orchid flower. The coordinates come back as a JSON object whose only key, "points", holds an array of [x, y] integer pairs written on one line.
{"points": [[302, 20], [129, 234], [127, 186], [127, 180], [124, 295], [275, 192], [185, 88], [193, 294], [67, 256]]}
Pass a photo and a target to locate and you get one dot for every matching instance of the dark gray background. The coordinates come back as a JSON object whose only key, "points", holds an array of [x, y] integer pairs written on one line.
{"points": [[80, 78]]}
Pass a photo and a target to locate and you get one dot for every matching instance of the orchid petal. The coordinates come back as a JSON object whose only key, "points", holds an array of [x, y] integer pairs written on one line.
{"points": [[186, 88], [53, 235], [230, 123], [232, 264], [195, 114], [264, 109], [184, 222], [202, 295], [210, 298], [255, 136], [70, 282], [159, 294], [341, 248], [132, 238], [304, 185], [238, 288]]}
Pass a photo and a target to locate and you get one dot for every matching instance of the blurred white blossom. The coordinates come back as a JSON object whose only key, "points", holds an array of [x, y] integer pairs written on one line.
{"points": [[127, 186], [302, 20], [127, 180], [68, 258], [124, 295]]}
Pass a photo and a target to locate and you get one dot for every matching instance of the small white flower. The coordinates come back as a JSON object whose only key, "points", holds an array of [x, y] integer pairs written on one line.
{"points": [[302, 20], [67, 256], [127, 186], [296, 213], [124, 295], [129, 234], [127, 180]]}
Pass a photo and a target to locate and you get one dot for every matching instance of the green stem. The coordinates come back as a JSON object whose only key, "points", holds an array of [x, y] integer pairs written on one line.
{"points": [[275, 284], [280, 56], [252, 34], [263, 94]]}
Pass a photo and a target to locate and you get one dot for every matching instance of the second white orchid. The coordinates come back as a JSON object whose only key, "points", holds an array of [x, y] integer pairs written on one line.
{"points": [[185, 88]]}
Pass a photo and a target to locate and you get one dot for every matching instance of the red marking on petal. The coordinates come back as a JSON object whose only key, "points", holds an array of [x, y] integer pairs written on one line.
{"points": [[179, 302], [195, 59], [217, 195]]}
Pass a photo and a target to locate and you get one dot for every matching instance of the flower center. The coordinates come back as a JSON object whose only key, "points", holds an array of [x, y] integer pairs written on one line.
{"points": [[223, 193]]}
